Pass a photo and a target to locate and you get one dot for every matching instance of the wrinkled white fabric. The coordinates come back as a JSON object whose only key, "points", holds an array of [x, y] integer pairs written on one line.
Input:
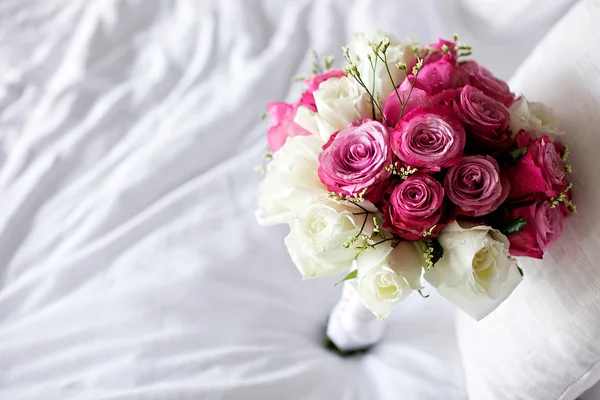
{"points": [[131, 266]]}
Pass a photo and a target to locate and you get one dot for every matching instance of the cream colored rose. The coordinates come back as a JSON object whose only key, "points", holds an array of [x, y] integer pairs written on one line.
{"points": [[341, 101], [397, 52], [291, 181], [387, 276], [476, 272], [317, 237], [535, 118], [314, 123]]}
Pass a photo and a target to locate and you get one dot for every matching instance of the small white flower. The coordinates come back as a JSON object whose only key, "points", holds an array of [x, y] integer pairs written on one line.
{"points": [[397, 52], [317, 237], [291, 181], [341, 101], [387, 276], [535, 118], [476, 272]]}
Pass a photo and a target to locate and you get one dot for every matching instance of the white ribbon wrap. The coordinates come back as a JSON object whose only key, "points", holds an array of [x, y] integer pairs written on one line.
{"points": [[351, 325]]}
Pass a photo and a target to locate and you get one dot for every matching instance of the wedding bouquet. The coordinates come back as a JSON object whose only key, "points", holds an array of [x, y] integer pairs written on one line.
{"points": [[413, 163]]}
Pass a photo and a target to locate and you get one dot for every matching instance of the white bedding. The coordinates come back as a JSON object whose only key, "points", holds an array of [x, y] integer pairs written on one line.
{"points": [[130, 263]]}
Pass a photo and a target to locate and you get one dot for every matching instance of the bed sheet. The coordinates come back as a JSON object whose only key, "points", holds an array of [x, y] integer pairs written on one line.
{"points": [[130, 263]]}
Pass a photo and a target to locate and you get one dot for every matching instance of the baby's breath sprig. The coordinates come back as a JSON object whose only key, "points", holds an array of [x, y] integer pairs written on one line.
{"points": [[260, 169], [415, 72], [407, 171], [262, 116], [298, 78], [328, 62], [370, 244], [355, 198], [564, 157], [432, 250], [428, 257], [429, 231], [377, 229], [352, 70], [380, 52], [268, 155], [416, 48], [316, 64], [463, 49], [403, 172], [563, 199]]}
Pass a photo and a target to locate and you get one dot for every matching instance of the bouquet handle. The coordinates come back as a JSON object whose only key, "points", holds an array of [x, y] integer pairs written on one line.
{"points": [[351, 326]]}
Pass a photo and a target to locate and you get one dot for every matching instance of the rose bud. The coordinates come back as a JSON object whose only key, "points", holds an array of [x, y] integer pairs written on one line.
{"points": [[486, 121], [429, 139], [475, 185], [539, 171], [414, 207], [355, 158], [485, 81], [544, 226]]}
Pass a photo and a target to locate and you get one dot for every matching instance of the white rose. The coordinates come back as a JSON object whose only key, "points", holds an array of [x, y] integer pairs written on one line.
{"points": [[387, 276], [314, 123], [317, 235], [476, 272], [397, 52], [535, 118], [341, 101], [291, 180]]}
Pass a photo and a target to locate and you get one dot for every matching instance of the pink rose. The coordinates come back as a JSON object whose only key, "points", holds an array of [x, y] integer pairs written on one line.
{"points": [[282, 124], [544, 226], [539, 171], [356, 158], [485, 119], [415, 206], [313, 83], [283, 114], [483, 80], [475, 185], [432, 79], [429, 139], [451, 54]]}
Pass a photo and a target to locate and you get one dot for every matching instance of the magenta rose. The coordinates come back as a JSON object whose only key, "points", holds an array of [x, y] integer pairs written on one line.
{"points": [[539, 171], [312, 84], [485, 81], [414, 207], [432, 80], [430, 139], [355, 159], [475, 185], [282, 124], [544, 226], [485, 119]]}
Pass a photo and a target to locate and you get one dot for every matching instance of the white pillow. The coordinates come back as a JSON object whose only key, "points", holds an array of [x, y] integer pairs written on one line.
{"points": [[544, 341]]}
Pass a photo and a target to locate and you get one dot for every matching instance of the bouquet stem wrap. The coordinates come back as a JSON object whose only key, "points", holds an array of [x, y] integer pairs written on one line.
{"points": [[351, 325]]}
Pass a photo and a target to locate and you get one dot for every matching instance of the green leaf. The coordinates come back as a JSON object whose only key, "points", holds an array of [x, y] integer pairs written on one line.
{"points": [[423, 295], [438, 251], [351, 275], [514, 226], [514, 155], [520, 270]]}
